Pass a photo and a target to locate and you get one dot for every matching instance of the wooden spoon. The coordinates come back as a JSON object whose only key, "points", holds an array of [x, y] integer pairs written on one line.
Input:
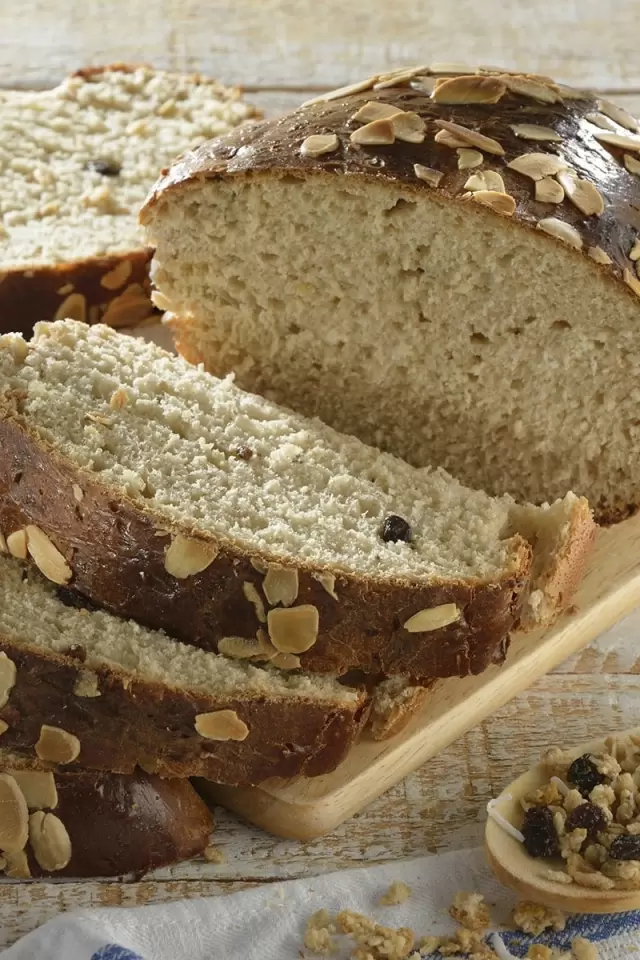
{"points": [[514, 868]]}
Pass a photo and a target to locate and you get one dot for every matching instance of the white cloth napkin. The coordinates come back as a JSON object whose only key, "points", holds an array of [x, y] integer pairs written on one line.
{"points": [[268, 923]]}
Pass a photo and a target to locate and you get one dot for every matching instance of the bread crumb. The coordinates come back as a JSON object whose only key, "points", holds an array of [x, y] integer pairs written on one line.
{"points": [[214, 855], [398, 892], [470, 910], [534, 918], [584, 949], [318, 934]]}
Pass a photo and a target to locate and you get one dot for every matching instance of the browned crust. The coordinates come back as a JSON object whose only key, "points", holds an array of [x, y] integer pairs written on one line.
{"points": [[116, 548], [570, 560]]}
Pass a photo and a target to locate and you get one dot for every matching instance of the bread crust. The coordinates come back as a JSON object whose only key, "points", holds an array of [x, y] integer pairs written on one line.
{"points": [[116, 549], [570, 560]]}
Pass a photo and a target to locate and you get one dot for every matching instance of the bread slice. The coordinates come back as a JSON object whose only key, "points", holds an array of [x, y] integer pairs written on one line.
{"points": [[394, 703], [85, 823], [84, 687], [458, 285], [75, 164]]}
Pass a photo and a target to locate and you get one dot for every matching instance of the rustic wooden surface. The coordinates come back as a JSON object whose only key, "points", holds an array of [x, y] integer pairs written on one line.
{"points": [[279, 50]]}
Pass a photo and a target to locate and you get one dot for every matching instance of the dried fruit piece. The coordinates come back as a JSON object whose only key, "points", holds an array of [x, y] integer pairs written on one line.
{"points": [[587, 816], [540, 837], [584, 774], [49, 841], [221, 725], [395, 528], [625, 847]]}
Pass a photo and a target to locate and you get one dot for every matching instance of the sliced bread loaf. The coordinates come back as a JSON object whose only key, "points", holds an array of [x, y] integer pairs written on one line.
{"points": [[167, 495], [75, 164], [445, 266], [81, 823], [393, 704], [85, 688]]}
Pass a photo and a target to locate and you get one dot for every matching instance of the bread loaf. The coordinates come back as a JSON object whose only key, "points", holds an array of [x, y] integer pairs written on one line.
{"points": [[393, 704], [80, 823], [85, 689], [169, 496], [442, 263], [75, 164]]}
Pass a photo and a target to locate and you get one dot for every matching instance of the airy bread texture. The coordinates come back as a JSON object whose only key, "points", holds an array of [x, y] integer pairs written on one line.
{"points": [[419, 292], [75, 164]]}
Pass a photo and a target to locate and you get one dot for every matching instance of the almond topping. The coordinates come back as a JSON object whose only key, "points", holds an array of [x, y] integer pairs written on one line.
{"points": [[533, 89], [582, 194], [17, 544], [632, 164], [632, 281], [46, 556], [375, 110], [57, 745], [87, 684], [398, 78], [376, 132], [469, 89], [3, 543], [485, 180], [65, 289], [281, 586], [601, 121], [4, 726], [537, 165], [424, 84], [38, 788], [617, 140], [570, 93], [74, 307], [634, 253], [286, 661], [342, 92], [221, 725], [241, 648], [17, 867], [8, 675], [259, 565], [328, 581], [160, 301], [561, 231], [14, 816], [293, 629], [453, 69], [598, 254], [49, 841], [448, 140], [428, 174], [318, 144], [532, 131], [549, 191], [500, 202], [408, 126], [117, 277], [78, 493], [472, 137], [433, 618], [251, 593], [185, 556], [619, 115], [468, 158]]}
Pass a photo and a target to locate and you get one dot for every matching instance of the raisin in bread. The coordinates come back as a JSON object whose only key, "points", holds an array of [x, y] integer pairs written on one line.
{"points": [[75, 164], [445, 266], [82, 687], [80, 823], [167, 495]]}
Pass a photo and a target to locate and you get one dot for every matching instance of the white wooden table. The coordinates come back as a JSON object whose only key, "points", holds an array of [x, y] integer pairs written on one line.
{"points": [[279, 50]]}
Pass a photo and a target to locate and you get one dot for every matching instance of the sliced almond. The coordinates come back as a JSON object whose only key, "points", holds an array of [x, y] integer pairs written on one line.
{"points": [[342, 91], [17, 544], [259, 565], [471, 137], [374, 110], [401, 71], [447, 139], [549, 191], [293, 629], [65, 289], [561, 231], [243, 648], [281, 585], [286, 661], [582, 194], [408, 127], [619, 115], [49, 841], [468, 158], [78, 494], [57, 745], [632, 281], [328, 581], [485, 180], [452, 69], [17, 865], [571, 93], [117, 277], [38, 788], [377, 132], [601, 121], [399, 78], [46, 556], [74, 307], [160, 301], [87, 684], [634, 253], [618, 140], [251, 593], [432, 618], [424, 84], [502, 203], [428, 174], [8, 675], [185, 556], [4, 726], [3, 543], [537, 165], [598, 254], [632, 164], [525, 87], [469, 89], [318, 144], [221, 725], [533, 131], [14, 816]]}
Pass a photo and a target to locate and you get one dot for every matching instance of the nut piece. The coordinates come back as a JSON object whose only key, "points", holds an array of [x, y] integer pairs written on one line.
{"points": [[293, 629], [78, 493], [251, 593], [538, 165], [87, 684], [632, 165], [500, 202], [73, 308], [243, 648], [49, 841], [185, 556], [582, 194], [318, 144], [408, 126], [17, 865], [600, 120], [286, 661], [56, 745], [3, 727], [469, 89], [449, 140], [549, 191], [533, 89], [376, 132], [619, 115], [485, 180], [328, 581], [432, 618], [221, 725], [631, 281], [3, 543], [598, 254], [531, 131], [8, 674], [618, 140], [117, 277], [14, 816], [374, 110], [281, 586], [471, 136], [561, 231], [468, 158], [17, 544], [46, 556], [38, 787], [340, 92], [428, 174]]}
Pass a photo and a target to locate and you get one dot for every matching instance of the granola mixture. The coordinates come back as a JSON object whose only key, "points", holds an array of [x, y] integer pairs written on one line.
{"points": [[535, 919]]}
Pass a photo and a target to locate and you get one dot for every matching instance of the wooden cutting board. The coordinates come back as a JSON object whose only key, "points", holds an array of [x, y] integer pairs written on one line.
{"points": [[303, 809]]}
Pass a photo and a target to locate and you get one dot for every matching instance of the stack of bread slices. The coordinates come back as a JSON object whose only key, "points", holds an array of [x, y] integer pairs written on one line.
{"points": [[197, 581]]}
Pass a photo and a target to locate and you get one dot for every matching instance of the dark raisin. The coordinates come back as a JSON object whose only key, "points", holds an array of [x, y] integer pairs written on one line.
{"points": [[584, 774], [71, 598], [625, 847], [77, 651], [105, 168], [589, 817], [395, 528], [241, 452], [540, 837]]}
